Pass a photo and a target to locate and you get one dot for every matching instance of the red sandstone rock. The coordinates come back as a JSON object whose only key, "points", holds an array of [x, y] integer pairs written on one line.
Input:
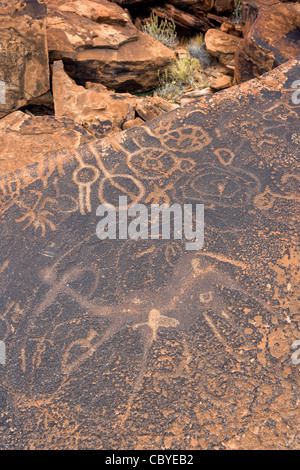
{"points": [[133, 123], [140, 344], [271, 37], [224, 5], [29, 139], [94, 107], [151, 107], [221, 83], [222, 46]]}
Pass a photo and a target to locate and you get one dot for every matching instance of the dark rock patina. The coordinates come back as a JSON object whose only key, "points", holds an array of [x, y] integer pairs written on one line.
{"points": [[140, 344]]}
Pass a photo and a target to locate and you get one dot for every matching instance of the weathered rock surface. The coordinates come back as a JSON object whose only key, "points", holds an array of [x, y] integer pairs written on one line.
{"points": [[194, 95], [134, 123], [24, 70], [272, 36], [194, 5], [133, 67], [76, 25], [222, 45], [140, 344], [28, 139], [183, 20], [200, 6], [98, 42], [232, 28], [149, 108], [221, 83], [130, 3], [94, 107], [222, 6]]}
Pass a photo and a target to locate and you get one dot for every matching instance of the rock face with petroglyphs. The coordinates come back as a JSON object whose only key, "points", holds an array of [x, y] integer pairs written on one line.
{"points": [[24, 65], [138, 344], [27, 139]]}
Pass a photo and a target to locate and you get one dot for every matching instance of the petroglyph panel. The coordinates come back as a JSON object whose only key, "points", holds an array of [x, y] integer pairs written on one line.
{"points": [[132, 344]]}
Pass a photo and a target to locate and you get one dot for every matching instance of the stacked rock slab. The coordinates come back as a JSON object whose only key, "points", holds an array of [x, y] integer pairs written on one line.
{"points": [[138, 344], [98, 42], [24, 69]]}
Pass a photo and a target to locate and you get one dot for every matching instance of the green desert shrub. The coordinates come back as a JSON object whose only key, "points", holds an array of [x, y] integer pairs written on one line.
{"points": [[168, 88], [200, 53], [197, 40], [197, 50], [185, 70], [237, 12], [163, 31]]}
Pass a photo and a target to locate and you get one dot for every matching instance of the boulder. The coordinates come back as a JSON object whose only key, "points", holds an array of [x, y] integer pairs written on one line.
{"points": [[192, 6], [221, 83], [24, 70], [90, 24], [222, 45], [44, 101], [149, 108], [98, 42], [97, 109], [133, 67], [29, 139], [193, 96], [271, 37], [134, 123], [232, 28]]}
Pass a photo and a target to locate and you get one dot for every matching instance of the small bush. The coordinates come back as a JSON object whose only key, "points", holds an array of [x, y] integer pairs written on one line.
{"points": [[169, 91], [237, 12], [200, 53], [197, 40], [168, 88], [163, 31], [186, 70]]}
